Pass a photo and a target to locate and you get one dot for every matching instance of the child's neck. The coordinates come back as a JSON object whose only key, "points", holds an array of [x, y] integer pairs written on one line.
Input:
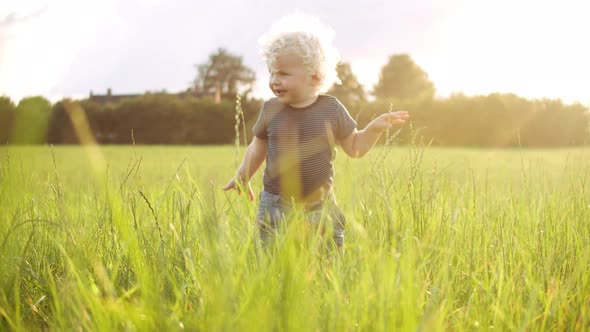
{"points": [[306, 102]]}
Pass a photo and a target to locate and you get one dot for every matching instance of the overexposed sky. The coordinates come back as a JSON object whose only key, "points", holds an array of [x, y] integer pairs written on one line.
{"points": [[70, 47]]}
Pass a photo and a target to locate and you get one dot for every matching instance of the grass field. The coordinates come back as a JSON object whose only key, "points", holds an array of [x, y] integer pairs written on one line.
{"points": [[143, 238]]}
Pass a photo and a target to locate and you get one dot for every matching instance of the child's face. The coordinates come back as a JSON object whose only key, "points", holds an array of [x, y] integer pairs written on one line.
{"points": [[291, 83]]}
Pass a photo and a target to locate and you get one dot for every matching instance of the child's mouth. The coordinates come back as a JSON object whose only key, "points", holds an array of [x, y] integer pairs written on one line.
{"points": [[280, 93]]}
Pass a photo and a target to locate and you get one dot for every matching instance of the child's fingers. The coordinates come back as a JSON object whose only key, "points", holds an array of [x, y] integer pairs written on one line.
{"points": [[396, 122], [230, 185], [399, 115]]}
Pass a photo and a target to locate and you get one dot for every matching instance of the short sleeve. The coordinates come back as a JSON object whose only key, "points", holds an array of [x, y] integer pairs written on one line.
{"points": [[260, 128], [345, 124]]}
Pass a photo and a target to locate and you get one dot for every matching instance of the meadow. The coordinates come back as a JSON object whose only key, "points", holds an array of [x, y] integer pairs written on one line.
{"points": [[140, 238]]}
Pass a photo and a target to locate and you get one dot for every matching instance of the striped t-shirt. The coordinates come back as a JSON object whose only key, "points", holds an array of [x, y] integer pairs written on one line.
{"points": [[301, 145]]}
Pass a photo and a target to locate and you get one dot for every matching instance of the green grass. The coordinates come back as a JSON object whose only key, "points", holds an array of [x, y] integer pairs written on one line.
{"points": [[143, 238]]}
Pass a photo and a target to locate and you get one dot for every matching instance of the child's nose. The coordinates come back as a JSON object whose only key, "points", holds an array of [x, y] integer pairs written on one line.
{"points": [[273, 79]]}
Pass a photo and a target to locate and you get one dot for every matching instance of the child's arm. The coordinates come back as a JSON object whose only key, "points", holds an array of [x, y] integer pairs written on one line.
{"points": [[253, 158], [359, 143]]}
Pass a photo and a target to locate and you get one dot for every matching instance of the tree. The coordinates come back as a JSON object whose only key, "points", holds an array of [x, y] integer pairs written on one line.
{"points": [[7, 108], [6, 104], [403, 79], [350, 91], [31, 121], [222, 75]]}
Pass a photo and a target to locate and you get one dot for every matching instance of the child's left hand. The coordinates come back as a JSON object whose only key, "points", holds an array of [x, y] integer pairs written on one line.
{"points": [[388, 120]]}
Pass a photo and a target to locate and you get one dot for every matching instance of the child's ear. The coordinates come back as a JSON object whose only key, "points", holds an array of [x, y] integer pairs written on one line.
{"points": [[315, 79]]}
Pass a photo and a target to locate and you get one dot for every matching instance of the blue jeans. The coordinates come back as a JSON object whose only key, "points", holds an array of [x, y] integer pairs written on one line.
{"points": [[273, 209]]}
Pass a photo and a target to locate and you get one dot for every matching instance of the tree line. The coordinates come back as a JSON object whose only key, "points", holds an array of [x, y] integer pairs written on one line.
{"points": [[208, 114], [151, 118]]}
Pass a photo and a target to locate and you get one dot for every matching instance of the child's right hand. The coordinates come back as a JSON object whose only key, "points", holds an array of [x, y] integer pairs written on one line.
{"points": [[240, 186]]}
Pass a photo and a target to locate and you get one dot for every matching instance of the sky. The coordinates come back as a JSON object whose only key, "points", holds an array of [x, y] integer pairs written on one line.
{"points": [[67, 48]]}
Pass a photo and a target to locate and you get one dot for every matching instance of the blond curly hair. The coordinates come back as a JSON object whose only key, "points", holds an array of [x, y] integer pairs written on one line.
{"points": [[307, 37]]}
